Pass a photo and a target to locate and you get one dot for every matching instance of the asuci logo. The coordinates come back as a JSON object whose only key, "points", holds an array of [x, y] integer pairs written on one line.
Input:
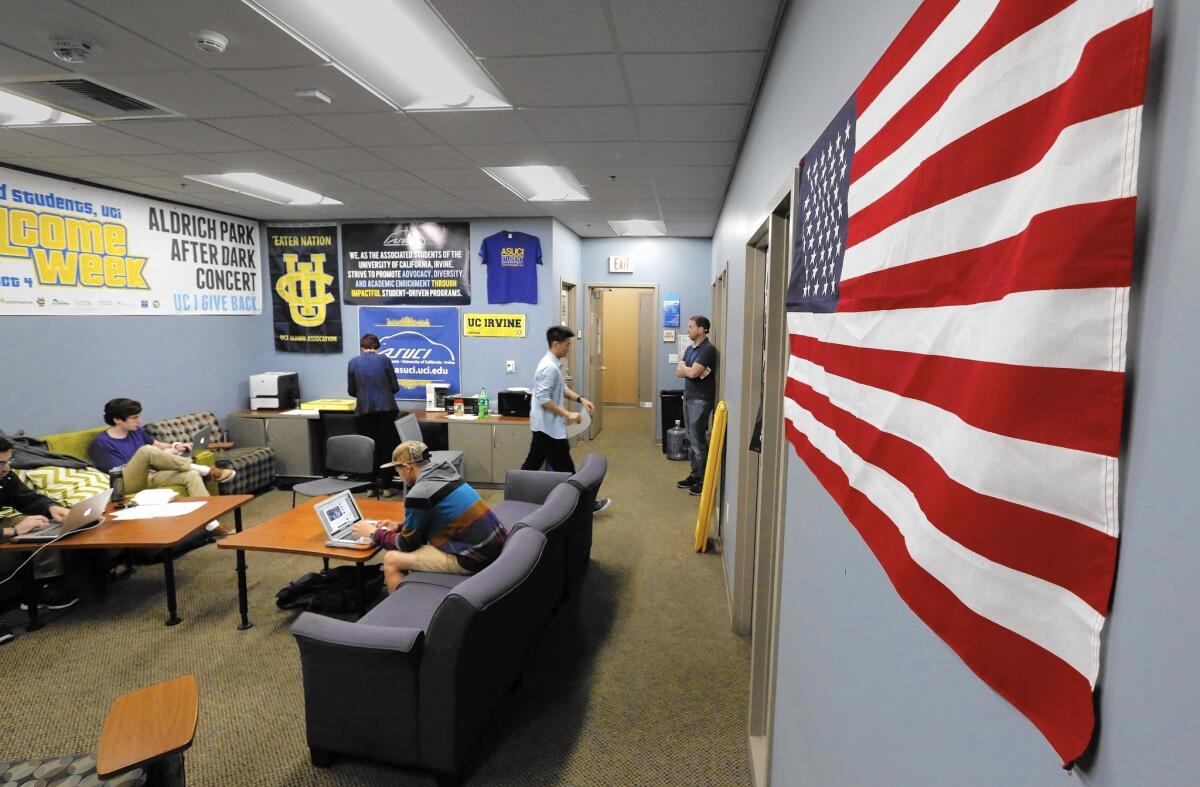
{"points": [[414, 347]]}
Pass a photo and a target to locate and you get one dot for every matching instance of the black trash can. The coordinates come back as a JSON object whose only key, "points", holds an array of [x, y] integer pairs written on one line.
{"points": [[670, 410]]}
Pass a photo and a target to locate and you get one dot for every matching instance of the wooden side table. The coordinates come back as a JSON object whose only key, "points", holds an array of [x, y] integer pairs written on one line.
{"points": [[149, 728]]}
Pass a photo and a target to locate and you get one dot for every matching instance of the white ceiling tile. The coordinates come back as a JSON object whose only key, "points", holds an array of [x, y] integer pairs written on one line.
{"points": [[320, 181], [348, 212], [478, 194], [478, 127], [417, 196], [695, 191], [194, 93], [695, 229], [21, 144], [582, 124], [692, 123], [254, 42], [280, 133], [18, 65], [340, 159], [189, 136], [515, 208], [391, 208], [671, 178], [690, 206], [28, 25], [266, 162], [382, 129], [529, 27], [703, 26], [457, 178], [691, 153], [175, 163], [100, 139], [509, 155], [620, 191], [177, 185], [592, 177], [418, 157], [355, 196], [560, 80], [278, 85], [713, 78], [591, 229], [598, 153], [110, 165], [453, 212], [57, 167], [386, 178]]}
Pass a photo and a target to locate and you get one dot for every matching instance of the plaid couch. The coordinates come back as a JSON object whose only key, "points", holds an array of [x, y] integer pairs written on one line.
{"points": [[255, 466]]}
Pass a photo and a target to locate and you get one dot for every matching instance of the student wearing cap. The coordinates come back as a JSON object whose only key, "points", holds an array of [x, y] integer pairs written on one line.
{"points": [[447, 528]]}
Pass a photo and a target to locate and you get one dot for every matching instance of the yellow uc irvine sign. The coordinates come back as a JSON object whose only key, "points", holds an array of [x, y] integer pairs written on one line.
{"points": [[509, 325]]}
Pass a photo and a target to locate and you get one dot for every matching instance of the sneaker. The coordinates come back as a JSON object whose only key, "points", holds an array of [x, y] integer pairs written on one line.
{"points": [[6, 634], [696, 488], [391, 492], [687, 482], [601, 504], [221, 531], [53, 597], [222, 474]]}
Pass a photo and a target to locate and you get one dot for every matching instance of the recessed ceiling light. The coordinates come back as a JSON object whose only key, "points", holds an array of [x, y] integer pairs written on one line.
{"points": [[261, 187], [539, 183], [639, 227], [400, 50], [20, 111]]}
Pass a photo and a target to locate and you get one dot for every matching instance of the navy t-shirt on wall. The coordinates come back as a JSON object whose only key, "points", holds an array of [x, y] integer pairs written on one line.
{"points": [[511, 259]]}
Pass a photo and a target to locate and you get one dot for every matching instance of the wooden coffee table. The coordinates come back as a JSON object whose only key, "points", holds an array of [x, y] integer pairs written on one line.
{"points": [[299, 532], [162, 533]]}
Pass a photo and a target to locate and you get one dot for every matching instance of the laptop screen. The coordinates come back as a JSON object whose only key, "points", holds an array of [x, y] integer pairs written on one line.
{"points": [[338, 513]]}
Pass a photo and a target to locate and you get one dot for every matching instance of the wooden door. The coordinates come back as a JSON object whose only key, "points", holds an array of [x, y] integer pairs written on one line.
{"points": [[620, 355]]}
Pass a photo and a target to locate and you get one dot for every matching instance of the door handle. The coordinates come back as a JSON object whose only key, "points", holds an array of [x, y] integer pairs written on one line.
{"points": [[604, 368]]}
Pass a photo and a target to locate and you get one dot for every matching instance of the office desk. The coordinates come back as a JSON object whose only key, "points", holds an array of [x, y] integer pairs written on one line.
{"points": [[490, 447]]}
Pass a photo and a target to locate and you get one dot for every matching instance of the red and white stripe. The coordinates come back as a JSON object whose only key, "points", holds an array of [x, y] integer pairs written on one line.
{"points": [[963, 405]]}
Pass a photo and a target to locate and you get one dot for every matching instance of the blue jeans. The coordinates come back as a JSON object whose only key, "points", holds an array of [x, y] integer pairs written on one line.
{"points": [[696, 415]]}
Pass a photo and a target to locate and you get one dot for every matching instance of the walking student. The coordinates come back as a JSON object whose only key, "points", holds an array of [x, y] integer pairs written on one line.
{"points": [[371, 380], [548, 418], [698, 368]]}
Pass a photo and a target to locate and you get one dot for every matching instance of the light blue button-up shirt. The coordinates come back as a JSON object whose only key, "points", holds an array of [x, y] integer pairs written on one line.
{"points": [[548, 386]]}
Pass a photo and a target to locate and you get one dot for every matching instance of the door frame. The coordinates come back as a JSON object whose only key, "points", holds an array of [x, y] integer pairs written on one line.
{"points": [[593, 389], [573, 306]]}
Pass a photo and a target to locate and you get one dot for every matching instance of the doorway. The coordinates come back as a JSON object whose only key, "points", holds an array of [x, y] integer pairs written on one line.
{"points": [[620, 347], [568, 315]]}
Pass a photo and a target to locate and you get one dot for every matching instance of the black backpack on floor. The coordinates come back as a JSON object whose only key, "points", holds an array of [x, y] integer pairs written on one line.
{"points": [[335, 592]]}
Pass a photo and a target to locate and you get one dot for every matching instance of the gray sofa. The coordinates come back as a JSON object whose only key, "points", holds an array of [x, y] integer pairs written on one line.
{"points": [[443, 650]]}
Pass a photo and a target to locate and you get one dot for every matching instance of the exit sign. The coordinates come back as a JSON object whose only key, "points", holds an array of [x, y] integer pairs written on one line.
{"points": [[620, 264]]}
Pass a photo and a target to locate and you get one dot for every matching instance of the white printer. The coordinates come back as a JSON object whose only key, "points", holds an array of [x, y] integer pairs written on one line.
{"points": [[274, 391]]}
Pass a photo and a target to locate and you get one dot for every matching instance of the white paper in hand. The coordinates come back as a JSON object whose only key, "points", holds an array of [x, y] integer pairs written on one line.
{"points": [[585, 420]]}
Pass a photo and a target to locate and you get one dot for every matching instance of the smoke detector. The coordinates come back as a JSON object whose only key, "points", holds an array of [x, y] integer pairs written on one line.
{"points": [[72, 50], [209, 41]]}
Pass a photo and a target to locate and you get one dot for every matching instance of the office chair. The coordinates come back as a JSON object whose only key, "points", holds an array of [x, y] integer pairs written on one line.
{"points": [[409, 428], [348, 458]]}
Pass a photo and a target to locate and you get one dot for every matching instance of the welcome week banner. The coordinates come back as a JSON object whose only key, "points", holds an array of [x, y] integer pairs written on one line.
{"points": [[69, 248], [421, 342]]}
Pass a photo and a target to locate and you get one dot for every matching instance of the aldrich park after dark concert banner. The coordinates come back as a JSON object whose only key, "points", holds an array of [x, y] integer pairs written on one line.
{"points": [[413, 263], [304, 288], [74, 249]]}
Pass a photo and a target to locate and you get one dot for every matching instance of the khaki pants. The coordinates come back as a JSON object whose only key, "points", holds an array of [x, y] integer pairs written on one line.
{"points": [[155, 468], [47, 564]]}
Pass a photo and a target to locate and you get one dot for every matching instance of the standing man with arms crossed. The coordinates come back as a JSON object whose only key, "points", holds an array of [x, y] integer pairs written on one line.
{"points": [[698, 368], [547, 417]]}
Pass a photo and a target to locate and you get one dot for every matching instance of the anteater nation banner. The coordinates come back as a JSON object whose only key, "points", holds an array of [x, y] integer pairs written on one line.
{"points": [[960, 282], [304, 288], [70, 248]]}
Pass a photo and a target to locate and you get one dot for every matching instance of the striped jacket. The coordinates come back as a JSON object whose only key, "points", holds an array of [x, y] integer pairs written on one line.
{"points": [[443, 511]]}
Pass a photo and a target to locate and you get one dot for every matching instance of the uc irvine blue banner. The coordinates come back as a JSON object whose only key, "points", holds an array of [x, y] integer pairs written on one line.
{"points": [[422, 343]]}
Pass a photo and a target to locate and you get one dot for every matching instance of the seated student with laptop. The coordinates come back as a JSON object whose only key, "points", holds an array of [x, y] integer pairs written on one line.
{"points": [[36, 511], [148, 463], [447, 528]]}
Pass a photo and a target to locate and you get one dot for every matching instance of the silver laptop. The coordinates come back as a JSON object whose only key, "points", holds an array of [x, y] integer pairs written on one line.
{"points": [[200, 440], [84, 513], [339, 514]]}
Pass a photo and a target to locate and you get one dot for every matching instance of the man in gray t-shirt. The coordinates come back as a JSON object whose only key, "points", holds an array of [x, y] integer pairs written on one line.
{"points": [[698, 368]]}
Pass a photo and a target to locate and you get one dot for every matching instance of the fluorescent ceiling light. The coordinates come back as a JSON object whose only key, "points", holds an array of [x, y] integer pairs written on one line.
{"points": [[539, 183], [639, 227], [19, 111], [260, 186], [400, 50]]}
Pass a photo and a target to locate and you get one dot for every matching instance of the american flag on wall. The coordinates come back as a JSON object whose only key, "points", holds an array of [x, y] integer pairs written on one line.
{"points": [[963, 244]]}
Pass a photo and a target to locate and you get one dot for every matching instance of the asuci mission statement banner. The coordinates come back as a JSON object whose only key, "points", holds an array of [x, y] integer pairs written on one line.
{"points": [[423, 263], [69, 248]]}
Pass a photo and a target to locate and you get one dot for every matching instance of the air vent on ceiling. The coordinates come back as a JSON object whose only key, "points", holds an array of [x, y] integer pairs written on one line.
{"points": [[88, 98]]}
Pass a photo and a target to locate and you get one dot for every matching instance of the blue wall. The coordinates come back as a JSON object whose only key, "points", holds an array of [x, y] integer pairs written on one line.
{"points": [[865, 693], [679, 266]]}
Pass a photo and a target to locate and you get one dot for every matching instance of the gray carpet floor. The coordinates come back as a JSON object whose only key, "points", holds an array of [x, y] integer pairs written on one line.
{"points": [[651, 691]]}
